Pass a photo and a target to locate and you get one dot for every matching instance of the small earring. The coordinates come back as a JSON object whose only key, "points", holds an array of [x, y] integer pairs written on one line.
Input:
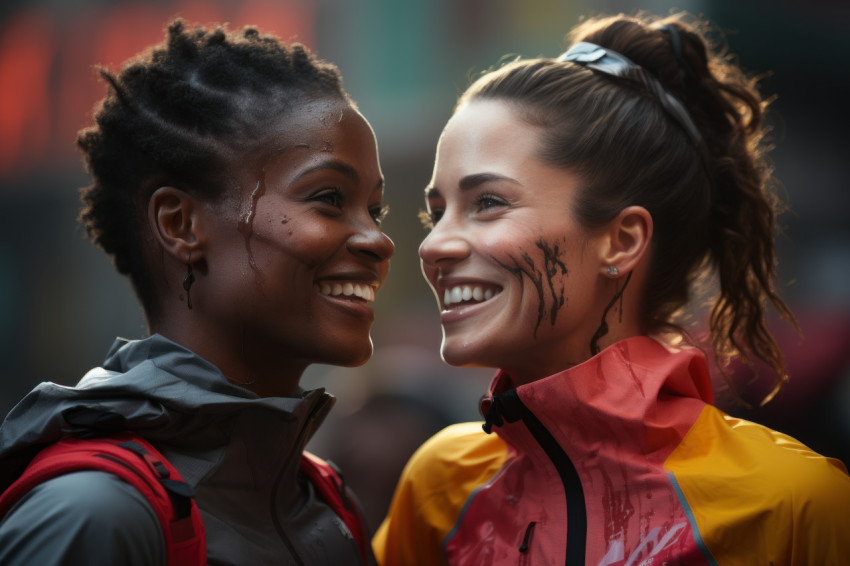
{"points": [[613, 271], [187, 284]]}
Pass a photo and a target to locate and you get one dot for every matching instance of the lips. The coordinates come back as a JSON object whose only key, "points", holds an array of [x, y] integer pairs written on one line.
{"points": [[458, 295], [353, 290]]}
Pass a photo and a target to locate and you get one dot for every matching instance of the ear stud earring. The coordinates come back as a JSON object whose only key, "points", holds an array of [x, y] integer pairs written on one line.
{"points": [[613, 271]]}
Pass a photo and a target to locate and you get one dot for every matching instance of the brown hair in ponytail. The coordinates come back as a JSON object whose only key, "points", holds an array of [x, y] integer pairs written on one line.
{"points": [[718, 215]]}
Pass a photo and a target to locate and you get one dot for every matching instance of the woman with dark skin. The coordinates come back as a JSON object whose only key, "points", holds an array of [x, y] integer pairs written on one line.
{"points": [[575, 204], [239, 188]]}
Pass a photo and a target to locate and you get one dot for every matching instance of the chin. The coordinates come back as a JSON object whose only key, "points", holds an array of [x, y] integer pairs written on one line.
{"points": [[463, 358], [355, 356]]}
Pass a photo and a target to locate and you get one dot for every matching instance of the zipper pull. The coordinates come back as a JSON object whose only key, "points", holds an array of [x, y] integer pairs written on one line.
{"points": [[527, 538]]}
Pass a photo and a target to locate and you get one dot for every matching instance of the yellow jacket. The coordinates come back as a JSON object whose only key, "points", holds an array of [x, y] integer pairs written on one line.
{"points": [[620, 460]]}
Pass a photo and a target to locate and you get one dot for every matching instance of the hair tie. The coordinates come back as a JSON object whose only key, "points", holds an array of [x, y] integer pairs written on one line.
{"points": [[610, 62], [676, 44]]}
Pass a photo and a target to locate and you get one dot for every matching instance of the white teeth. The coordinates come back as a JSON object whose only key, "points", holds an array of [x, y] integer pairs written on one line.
{"points": [[461, 293], [348, 289], [364, 292]]}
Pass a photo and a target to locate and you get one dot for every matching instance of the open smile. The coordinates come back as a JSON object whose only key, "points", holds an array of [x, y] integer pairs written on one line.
{"points": [[460, 295], [351, 290]]}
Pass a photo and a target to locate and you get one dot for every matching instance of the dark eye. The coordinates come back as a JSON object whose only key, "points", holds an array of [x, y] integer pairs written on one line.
{"points": [[487, 201], [379, 213], [331, 196], [430, 217]]}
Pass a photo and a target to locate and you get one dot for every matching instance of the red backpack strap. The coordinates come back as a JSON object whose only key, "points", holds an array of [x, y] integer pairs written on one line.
{"points": [[137, 462], [331, 489]]}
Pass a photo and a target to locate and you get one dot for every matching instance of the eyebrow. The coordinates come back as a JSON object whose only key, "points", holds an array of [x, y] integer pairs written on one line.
{"points": [[339, 167], [472, 181]]}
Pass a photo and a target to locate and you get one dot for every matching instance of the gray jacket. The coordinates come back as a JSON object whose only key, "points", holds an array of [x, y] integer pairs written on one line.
{"points": [[241, 454]]}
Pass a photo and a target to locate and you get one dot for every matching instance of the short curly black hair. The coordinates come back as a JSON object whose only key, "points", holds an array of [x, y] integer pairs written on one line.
{"points": [[181, 114]]}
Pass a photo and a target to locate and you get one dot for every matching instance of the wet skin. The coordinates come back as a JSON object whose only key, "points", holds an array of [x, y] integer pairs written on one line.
{"points": [[503, 223], [291, 267]]}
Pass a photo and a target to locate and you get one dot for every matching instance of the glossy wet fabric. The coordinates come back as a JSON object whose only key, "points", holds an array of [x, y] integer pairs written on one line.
{"points": [[241, 453], [620, 460]]}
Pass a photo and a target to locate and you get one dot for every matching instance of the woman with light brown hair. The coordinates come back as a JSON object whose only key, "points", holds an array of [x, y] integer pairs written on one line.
{"points": [[576, 204]]}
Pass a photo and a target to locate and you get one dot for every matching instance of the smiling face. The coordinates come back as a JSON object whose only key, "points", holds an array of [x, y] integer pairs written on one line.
{"points": [[519, 282], [291, 268]]}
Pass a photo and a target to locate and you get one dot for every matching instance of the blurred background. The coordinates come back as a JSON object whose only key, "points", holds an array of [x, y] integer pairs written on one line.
{"points": [[405, 62]]}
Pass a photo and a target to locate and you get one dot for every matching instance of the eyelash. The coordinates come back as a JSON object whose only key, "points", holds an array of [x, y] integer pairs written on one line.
{"points": [[378, 214], [480, 199], [334, 197], [430, 218]]}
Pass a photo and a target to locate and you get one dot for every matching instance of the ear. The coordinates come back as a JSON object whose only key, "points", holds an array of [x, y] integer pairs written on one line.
{"points": [[626, 240], [172, 215]]}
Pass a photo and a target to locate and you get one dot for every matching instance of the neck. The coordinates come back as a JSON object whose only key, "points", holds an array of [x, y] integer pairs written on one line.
{"points": [[533, 368], [258, 367]]}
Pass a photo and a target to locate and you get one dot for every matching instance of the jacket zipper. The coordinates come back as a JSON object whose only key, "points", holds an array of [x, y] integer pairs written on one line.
{"points": [[513, 406], [526, 544], [278, 527]]}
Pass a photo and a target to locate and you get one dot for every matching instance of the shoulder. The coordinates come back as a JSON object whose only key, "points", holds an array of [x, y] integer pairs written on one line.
{"points": [[450, 465], [91, 516], [461, 449], [743, 482], [433, 488], [740, 448], [722, 446], [787, 464]]}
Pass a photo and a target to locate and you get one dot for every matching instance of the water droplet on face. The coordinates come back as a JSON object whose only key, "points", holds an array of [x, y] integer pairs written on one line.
{"points": [[245, 226]]}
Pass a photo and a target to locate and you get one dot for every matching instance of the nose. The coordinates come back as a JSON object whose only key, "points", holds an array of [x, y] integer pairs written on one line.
{"points": [[443, 243], [372, 243]]}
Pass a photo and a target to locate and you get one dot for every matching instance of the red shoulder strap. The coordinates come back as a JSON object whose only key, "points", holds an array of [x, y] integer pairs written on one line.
{"points": [[332, 491], [137, 462]]}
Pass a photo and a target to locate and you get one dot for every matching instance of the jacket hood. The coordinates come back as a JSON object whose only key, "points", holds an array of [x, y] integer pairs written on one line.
{"points": [[156, 388]]}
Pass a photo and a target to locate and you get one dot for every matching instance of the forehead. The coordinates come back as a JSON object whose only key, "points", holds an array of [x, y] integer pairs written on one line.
{"points": [[313, 131], [319, 121], [489, 144], [487, 134], [490, 138]]}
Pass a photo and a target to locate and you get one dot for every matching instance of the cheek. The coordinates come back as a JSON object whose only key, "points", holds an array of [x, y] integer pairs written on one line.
{"points": [[301, 240], [542, 272]]}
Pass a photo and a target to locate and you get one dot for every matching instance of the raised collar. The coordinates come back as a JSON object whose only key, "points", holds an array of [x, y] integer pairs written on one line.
{"points": [[635, 391], [176, 400]]}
